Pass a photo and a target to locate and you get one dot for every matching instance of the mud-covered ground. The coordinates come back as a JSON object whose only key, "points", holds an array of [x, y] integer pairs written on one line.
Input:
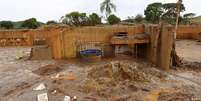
{"points": [[189, 50], [119, 79]]}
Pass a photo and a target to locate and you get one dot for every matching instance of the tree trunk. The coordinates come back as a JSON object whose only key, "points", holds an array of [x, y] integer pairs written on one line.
{"points": [[175, 60]]}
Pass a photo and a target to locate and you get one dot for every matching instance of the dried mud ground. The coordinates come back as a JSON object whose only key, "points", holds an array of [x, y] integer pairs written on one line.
{"points": [[119, 79]]}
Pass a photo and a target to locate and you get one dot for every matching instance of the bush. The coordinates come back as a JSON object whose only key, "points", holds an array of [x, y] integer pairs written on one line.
{"points": [[30, 23], [6, 24], [113, 19], [75, 18], [94, 19]]}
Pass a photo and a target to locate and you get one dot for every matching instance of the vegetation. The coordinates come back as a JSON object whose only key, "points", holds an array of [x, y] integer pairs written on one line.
{"points": [[139, 18], [81, 19], [153, 12], [129, 19], [196, 19], [75, 18], [6, 25], [94, 19], [187, 18], [158, 11], [30, 24], [107, 7], [170, 13], [51, 22], [113, 19]]}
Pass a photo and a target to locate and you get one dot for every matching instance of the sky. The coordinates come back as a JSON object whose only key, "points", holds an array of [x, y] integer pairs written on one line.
{"points": [[45, 10]]}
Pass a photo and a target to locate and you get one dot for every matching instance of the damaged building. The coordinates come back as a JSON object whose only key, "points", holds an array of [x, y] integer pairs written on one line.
{"points": [[62, 42]]}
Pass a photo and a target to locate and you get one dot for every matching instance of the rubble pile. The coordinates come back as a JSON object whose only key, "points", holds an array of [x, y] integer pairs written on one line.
{"points": [[117, 76], [120, 71]]}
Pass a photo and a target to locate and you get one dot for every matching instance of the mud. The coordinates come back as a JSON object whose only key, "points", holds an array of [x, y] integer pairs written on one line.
{"points": [[116, 79], [175, 97], [189, 50], [48, 70]]}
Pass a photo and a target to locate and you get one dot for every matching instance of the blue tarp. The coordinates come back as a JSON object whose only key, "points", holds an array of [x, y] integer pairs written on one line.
{"points": [[91, 52]]}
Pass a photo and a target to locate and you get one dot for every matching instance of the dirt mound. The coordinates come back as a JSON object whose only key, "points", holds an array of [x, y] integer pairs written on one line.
{"points": [[117, 77], [48, 70], [121, 71], [174, 97]]}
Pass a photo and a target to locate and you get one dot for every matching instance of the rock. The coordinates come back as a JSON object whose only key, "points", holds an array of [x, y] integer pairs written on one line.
{"points": [[42, 97]]}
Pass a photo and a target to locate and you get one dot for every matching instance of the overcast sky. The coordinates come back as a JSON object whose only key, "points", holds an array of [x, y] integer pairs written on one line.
{"points": [[45, 10]]}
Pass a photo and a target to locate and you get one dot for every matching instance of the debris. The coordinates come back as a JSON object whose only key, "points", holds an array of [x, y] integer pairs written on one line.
{"points": [[40, 87], [69, 76], [93, 98], [54, 92], [74, 98], [67, 98], [42, 97], [22, 55]]}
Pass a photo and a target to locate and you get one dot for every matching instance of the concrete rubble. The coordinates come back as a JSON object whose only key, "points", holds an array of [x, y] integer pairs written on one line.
{"points": [[42, 97], [40, 87]]}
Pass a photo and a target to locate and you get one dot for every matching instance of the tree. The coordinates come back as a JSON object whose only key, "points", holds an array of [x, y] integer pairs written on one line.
{"points": [[153, 12], [113, 19], [175, 60], [51, 22], [187, 18], [139, 18], [94, 19], [6, 24], [106, 7], [170, 12], [75, 18], [30, 23], [166, 12]]}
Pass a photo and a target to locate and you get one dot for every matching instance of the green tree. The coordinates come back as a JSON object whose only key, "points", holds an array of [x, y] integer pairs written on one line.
{"points": [[107, 7], [94, 19], [6, 24], [139, 18], [187, 18], [158, 11], [75, 18], [153, 12], [51, 22], [113, 19], [170, 12], [30, 23]]}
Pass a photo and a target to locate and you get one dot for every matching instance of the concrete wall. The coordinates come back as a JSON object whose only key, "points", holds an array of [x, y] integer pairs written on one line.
{"points": [[189, 32], [75, 36], [160, 46]]}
